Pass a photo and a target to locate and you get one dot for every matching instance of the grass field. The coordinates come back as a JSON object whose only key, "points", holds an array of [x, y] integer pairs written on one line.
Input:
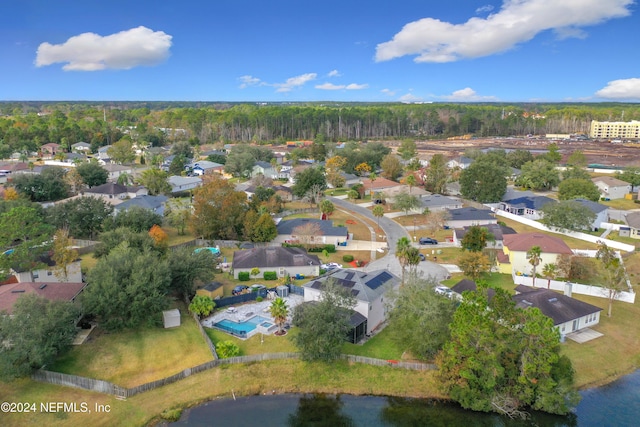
{"points": [[137, 356]]}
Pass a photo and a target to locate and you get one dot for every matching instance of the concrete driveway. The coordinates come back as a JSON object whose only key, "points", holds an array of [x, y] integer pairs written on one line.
{"points": [[394, 232]]}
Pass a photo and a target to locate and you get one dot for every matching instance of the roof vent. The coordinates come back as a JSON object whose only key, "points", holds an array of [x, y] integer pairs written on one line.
{"points": [[524, 301], [553, 299], [17, 291], [43, 286]]}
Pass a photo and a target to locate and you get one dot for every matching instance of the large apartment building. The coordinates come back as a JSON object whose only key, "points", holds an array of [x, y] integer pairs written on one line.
{"points": [[615, 130]]}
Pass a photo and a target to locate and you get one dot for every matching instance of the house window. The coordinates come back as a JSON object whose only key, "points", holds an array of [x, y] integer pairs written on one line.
{"points": [[49, 273], [35, 275]]}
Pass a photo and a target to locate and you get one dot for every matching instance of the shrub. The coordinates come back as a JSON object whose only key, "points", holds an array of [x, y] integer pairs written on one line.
{"points": [[244, 276], [347, 258], [171, 415], [330, 248], [270, 275], [258, 299]]}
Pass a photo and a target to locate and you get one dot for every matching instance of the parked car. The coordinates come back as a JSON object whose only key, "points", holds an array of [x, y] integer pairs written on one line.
{"points": [[428, 241], [257, 287], [422, 257], [239, 289], [443, 290], [379, 202], [330, 266]]}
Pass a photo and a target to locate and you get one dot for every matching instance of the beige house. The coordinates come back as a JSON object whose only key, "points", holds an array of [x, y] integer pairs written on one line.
{"points": [[516, 246], [49, 273]]}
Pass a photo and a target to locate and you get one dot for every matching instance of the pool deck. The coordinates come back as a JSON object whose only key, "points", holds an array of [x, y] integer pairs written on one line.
{"points": [[243, 312]]}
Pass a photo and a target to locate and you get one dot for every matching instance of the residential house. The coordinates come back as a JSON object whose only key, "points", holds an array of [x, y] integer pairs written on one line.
{"points": [[498, 231], [368, 288], [213, 290], [81, 147], [328, 234], [103, 155], [264, 168], [516, 246], [463, 217], [568, 314], [379, 185], [601, 212], [114, 171], [115, 193], [459, 163], [611, 188], [285, 193], [392, 192], [205, 167], [438, 202], [184, 183], [48, 272], [284, 261], [469, 285], [75, 157], [53, 291], [13, 168], [529, 207], [155, 204], [50, 150], [633, 221]]}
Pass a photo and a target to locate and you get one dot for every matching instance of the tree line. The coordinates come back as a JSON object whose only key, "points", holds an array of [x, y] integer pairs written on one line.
{"points": [[155, 124]]}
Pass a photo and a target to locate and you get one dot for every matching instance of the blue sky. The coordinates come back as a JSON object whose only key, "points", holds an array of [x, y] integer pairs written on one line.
{"points": [[347, 50]]}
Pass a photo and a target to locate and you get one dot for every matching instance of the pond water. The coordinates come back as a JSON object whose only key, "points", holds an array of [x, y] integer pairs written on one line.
{"points": [[617, 404]]}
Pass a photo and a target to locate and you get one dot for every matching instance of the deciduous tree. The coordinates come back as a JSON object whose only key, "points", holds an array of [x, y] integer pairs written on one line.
{"points": [[476, 238], [405, 202], [483, 182], [613, 274], [391, 167], [155, 180], [35, 334], [92, 174], [437, 174], [333, 312], [474, 264], [567, 215], [121, 152], [217, 196], [187, 267], [308, 178], [416, 306], [63, 253], [306, 233], [83, 217], [539, 174], [578, 189]]}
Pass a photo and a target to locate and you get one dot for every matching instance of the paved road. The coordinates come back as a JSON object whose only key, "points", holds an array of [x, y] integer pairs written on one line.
{"points": [[394, 231]]}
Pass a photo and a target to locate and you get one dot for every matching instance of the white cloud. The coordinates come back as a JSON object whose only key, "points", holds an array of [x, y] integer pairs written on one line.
{"points": [[334, 73], [621, 89], [352, 86], [467, 95], [294, 82], [516, 22], [120, 51], [409, 97], [246, 81], [484, 9], [388, 92]]}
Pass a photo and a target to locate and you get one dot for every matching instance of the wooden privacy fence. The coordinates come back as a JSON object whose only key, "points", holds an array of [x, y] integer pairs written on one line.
{"points": [[106, 387]]}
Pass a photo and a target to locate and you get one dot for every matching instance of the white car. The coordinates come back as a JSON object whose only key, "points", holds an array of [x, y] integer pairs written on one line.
{"points": [[331, 266], [443, 290]]}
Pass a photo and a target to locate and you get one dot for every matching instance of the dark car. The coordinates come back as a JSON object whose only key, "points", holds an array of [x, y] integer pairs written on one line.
{"points": [[422, 257], [239, 289], [379, 202], [428, 241]]}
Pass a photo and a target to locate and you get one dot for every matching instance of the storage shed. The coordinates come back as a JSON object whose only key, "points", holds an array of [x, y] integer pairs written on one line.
{"points": [[171, 318]]}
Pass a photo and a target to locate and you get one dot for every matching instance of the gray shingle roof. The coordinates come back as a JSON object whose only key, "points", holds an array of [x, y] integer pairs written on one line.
{"points": [[273, 256], [326, 227], [470, 214], [558, 307], [145, 201], [363, 286], [535, 202], [594, 207]]}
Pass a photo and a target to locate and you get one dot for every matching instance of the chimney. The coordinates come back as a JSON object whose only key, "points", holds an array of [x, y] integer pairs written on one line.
{"points": [[568, 286]]}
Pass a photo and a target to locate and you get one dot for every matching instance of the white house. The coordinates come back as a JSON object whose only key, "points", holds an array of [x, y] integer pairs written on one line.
{"points": [[368, 288], [184, 183], [49, 273], [568, 314], [462, 217], [611, 188], [529, 206], [601, 212]]}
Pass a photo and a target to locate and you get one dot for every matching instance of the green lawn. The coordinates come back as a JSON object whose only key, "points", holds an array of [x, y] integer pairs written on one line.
{"points": [[134, 357], [381, 346], [623, 204]]}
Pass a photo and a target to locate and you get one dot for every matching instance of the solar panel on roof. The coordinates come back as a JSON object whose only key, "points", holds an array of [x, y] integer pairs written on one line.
{"points": [[379, 280], [349, 275]]}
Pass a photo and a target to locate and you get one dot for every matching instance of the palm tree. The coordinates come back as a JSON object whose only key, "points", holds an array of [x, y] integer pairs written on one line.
{"points": [[279, 311], [411, 181], [378, 212], [550, 271], [413, 259], [372, 178], [402, 253], [534, 256], [125, 178]]}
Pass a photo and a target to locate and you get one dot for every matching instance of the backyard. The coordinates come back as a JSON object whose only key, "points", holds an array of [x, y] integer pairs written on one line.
{"points": [[137, 356]]}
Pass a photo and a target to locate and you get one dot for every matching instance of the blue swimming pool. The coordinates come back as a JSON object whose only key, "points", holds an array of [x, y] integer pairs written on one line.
{"points": [[243, 328], [214, 251]]}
